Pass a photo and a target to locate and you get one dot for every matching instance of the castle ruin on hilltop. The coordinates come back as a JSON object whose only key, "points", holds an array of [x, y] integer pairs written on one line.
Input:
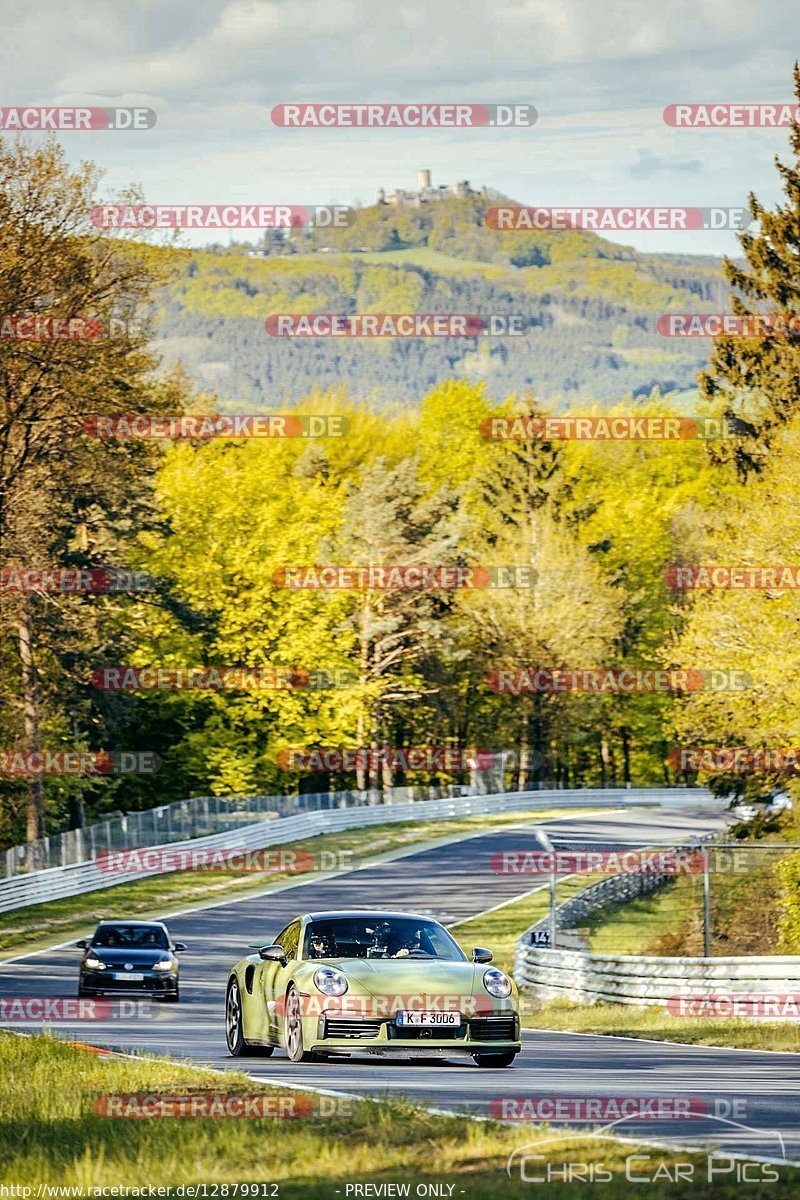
{"points": [[426, 192]]}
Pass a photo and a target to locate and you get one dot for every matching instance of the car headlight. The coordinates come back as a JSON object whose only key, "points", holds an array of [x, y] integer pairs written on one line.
{"points": [[164, 965], [330, 982], [94, 964], [496, 983]]}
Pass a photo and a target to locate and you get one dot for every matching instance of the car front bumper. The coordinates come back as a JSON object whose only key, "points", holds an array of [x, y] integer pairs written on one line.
{"points": [[491, 1034], [155, 983]]}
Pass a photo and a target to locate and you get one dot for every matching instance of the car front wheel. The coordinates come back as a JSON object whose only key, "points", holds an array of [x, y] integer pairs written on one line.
{"points": [[293, 1029]]}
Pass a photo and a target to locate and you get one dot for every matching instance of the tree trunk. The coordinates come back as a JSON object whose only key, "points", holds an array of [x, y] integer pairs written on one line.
{"points": [[607, 755], [524, 752], [626, 755], [363, 679], [30, 707]]}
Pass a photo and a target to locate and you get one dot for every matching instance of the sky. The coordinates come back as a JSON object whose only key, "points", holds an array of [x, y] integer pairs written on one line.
{"points": [[599, 74]]}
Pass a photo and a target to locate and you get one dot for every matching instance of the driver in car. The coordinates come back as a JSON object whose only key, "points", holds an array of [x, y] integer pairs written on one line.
{"points": [[393, 943], [323, 944]]}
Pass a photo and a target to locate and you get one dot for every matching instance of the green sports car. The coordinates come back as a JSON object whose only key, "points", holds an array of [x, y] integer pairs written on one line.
{"points": [[386, 983]]}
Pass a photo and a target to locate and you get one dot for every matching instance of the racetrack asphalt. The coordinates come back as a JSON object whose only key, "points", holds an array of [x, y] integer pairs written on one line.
{"points": [[751, 1097]]}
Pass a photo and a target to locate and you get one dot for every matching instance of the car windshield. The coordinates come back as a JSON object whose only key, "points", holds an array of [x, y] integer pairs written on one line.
{"points": [[134, 937], [380, 937]]}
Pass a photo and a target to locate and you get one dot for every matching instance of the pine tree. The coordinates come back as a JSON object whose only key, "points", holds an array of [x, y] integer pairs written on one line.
{"points": [[754, 382]]}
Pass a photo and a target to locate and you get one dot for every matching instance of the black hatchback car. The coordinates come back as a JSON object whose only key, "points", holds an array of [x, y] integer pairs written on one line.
{"points": [[130, 957]]}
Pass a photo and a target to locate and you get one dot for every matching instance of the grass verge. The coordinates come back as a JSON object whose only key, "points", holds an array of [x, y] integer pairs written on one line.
{"points": [[623, 1020], [51, 1135]]}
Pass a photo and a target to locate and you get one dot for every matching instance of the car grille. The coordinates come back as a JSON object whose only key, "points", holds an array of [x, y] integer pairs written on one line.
{"points": [[493, 1029], [340, 1027], [441, 1033], [150, 983]]}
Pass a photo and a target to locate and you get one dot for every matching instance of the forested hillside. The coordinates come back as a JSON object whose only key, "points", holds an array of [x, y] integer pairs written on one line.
{"points": [[588, 309]]}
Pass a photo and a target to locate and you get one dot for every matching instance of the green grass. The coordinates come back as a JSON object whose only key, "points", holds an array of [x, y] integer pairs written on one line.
{"points": [[623, 1020], [50, 1134], [630, 928], [41, 925]]}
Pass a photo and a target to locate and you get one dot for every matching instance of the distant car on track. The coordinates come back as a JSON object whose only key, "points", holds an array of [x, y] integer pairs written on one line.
{"points": [[130, 958], [385, 983]]}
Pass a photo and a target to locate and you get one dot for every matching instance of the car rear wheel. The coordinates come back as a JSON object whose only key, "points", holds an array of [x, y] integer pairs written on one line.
{"points": [[496, 1060], [293, 1029], [234, 1027]]}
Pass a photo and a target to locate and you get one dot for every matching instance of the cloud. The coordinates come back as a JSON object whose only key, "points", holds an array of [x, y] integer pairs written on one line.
{"points": [[599, 76], [654, 164]]}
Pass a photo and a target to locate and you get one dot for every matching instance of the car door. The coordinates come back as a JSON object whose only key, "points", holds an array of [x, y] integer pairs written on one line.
{"points": [[275, 978]]}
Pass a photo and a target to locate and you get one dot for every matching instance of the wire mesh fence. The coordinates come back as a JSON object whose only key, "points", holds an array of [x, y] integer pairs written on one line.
{"points": [[716, 898], [194, 818]]}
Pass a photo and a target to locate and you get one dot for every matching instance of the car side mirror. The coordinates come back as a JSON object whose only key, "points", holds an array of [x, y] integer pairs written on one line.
{"points": [[82, 944], [272, 954], [179, 946], [479, 955]]}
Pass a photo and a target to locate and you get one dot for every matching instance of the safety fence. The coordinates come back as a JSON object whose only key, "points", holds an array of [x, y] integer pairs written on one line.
{"points": [[274, 829]]}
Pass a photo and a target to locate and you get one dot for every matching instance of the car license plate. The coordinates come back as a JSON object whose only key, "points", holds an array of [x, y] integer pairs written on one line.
{"points": [[134, 976], [429, 1019]]}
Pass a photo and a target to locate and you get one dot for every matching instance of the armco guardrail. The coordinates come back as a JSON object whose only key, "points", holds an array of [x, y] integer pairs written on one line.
{"points": [[55, 883], [631, 979], [200, 816]]}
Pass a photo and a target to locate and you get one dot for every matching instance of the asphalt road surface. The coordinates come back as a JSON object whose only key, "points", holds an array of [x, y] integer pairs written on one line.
{"points": [[751, 1097]]}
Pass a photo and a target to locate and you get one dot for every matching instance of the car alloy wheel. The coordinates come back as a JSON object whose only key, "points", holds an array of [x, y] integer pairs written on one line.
{"points": [[293, 1029], [234, 1025], [234, 1035]]}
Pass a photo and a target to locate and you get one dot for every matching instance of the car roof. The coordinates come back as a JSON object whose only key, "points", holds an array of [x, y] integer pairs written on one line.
{"points": [[123, 921], [371, 913]]}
